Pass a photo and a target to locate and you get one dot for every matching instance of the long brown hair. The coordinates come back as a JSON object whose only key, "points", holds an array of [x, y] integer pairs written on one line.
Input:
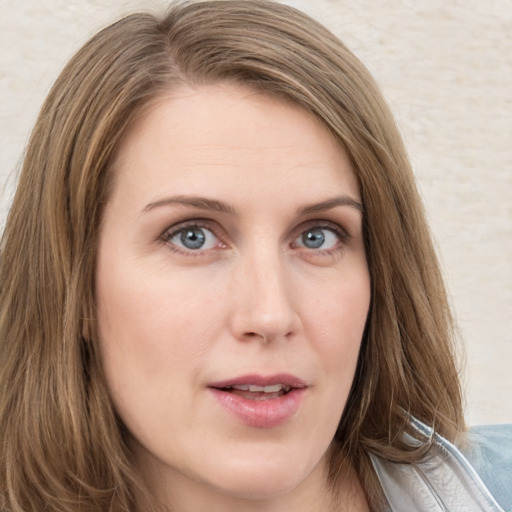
{"points": [[62, 448]]}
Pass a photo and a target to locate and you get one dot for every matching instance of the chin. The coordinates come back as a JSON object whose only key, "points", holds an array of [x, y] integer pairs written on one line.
{"points": [[256, 487], [262, 479]]}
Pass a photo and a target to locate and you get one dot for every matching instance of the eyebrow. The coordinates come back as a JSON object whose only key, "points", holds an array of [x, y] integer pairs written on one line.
{"points": [[328, 204], [204, 203]]}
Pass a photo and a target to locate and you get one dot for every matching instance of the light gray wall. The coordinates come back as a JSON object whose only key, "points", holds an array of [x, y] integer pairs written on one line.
{"points": [[445, 66]]}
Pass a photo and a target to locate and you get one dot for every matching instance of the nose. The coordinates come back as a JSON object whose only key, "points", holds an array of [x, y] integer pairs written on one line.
{"points": [[263, 300]]}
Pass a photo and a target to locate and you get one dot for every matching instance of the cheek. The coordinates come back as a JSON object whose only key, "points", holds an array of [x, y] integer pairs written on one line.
{"points": [[340, 308], [150, 330], [337, 324], [152, 356]]}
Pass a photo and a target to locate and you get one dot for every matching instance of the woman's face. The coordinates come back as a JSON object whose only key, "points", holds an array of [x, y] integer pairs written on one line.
{"points": [[232, 292]]}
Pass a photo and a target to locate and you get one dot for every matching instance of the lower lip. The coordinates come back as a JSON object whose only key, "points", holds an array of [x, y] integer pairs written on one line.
{"points": [[261, 413]]}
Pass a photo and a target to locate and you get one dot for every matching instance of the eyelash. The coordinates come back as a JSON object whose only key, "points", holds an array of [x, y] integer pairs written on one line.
{"points": [[339, 232], [204, 224]]}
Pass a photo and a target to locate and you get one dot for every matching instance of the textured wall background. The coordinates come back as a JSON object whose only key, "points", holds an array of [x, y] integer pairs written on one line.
{"points": [[445, 66]]}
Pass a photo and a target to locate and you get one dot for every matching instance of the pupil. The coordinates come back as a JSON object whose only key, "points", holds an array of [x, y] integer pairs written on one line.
{"points": [[313, 239], [193, 238]]}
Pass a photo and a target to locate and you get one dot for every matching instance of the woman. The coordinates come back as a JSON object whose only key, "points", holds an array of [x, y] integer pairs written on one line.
{"points": [[218, 287]]}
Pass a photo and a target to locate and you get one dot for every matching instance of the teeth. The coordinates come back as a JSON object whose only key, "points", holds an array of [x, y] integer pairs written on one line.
{"points": [[261, 389]]}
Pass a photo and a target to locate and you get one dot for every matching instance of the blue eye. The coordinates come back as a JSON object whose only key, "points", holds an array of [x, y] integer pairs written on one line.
{"points": [[193, 238], [313, 238], [318, 238]]}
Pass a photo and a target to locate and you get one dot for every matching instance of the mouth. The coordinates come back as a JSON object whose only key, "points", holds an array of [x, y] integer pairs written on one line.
{"points": [[257, 401], [254, 392], [257, 387]]}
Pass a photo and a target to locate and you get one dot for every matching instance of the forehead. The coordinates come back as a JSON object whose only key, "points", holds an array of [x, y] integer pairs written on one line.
{"points": [[209, 134]]}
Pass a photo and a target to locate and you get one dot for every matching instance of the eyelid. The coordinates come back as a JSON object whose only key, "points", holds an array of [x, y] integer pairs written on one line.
{"points": [[320, 255], [205, 223], [170, 232], [322, 224]]}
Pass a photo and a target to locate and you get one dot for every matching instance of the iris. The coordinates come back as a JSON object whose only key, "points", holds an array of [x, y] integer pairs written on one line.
{"points": [[313, 239], [193, 238]]}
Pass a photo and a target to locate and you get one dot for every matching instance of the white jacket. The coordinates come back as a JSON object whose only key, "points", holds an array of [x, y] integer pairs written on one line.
{"points": [[478, 480]]}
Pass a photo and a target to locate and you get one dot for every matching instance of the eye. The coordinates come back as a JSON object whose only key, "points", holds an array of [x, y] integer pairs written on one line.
{"points": [[193, 238], [319, 237]]}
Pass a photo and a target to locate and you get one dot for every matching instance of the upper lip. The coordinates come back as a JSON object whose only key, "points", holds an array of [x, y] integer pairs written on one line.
{"points": [[261, 380]]}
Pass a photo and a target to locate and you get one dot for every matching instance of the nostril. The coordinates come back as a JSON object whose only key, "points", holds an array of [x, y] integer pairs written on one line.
{"points": [[253, 335]]}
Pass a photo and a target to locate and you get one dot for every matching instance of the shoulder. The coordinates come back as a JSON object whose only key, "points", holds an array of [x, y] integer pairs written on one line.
{"points": [[488, 448], [475, 476]]}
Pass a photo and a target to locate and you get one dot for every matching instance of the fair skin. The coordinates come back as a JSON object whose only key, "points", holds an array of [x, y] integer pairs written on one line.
{"points": [[231, 254]]}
